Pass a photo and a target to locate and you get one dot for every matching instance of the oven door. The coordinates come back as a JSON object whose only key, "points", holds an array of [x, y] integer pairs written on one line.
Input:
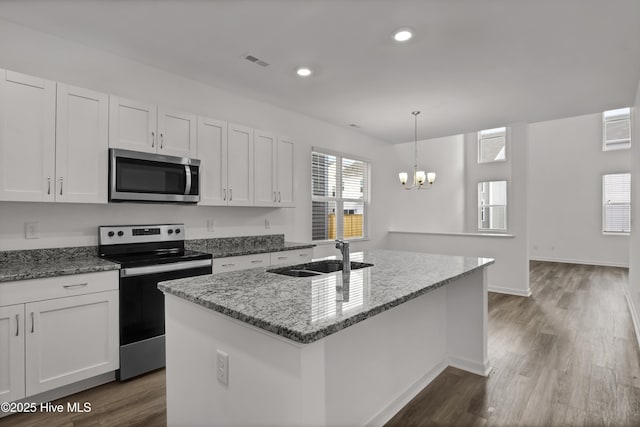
{"points": [[148, 177], [142, 303]]}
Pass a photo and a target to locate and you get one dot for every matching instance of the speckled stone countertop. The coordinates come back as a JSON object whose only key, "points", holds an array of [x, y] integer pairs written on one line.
{"points": [[244, 245], [40, 263], [308, 309]]}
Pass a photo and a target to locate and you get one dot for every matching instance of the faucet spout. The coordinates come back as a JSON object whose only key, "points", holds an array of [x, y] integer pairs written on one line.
{"points": [[343, 246]]}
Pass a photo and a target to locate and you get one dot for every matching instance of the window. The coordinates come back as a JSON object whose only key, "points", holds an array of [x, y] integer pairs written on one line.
{"points": [[340, 196], [616, 129], [616, 203], [492, 206], [491, 145]]}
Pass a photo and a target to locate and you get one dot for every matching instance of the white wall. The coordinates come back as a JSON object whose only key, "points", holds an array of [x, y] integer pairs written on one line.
{"points": [[565, 189], [441, 206], [633, 291], [510, 273], [39, 54]]}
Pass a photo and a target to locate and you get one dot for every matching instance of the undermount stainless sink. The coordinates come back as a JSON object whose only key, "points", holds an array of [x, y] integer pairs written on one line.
{"points": [[316, 268]]}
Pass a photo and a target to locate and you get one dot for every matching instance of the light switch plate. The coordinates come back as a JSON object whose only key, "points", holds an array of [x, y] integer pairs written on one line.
{"points": [[222, 367], [211, 225]]}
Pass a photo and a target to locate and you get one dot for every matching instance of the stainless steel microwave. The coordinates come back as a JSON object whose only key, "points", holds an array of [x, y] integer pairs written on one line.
{"points": [[146, 177]]}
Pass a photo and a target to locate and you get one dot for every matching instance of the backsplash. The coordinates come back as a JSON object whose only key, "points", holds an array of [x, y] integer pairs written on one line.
{"points": [[48, 255], [235, 244]]}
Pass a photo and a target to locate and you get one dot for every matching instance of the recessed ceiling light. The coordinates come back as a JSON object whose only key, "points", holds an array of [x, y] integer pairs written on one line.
{"points": [[402, 35], [304, 71]]}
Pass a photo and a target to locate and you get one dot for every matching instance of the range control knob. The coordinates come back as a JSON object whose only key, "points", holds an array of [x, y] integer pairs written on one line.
{"points": [[170, 231], [111, 234], [120, 233], [177, 231]]}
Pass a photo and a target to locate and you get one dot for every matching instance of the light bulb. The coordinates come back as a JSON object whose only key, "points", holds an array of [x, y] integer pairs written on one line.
{"points": [[420, 177], [431, 177], [403, 177]]}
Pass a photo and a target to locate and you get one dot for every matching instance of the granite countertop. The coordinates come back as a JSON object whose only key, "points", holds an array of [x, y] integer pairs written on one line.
{"points": [[308, 309], [40, 263], [244, 245]]}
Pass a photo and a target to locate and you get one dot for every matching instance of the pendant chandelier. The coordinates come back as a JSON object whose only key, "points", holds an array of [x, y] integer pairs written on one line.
{"points": [[419, 177]]}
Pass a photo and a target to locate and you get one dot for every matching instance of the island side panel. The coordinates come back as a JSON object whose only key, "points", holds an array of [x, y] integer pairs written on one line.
{"points": [[272, 381], [377, 366], [467, 323]]}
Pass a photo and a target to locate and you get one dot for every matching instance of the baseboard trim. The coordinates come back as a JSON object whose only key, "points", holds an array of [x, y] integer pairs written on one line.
{"points": [[482, 369], [401, 401], [634, 315], [510, 291], [581, 261]]}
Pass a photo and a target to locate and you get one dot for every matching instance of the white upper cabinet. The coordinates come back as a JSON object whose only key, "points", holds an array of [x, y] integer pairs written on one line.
{"points": [[264, 158], [240, 165], [139, 126], [82, 145], [212, 152], [284, 174], [132, 125], [27, 137], [177, 133]]}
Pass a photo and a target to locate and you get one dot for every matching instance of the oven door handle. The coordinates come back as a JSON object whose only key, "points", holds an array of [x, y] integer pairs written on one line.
{"points": [[187, 187], [163, 268]]}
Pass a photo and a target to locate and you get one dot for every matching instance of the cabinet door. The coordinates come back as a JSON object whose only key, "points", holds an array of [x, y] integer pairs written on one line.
{"points": [[264, 187], [132, 125], [82, 145], [240, 165], [177, 133], [12, 353], [212, 152], [27, 138], [285, 172], [70, 339]]}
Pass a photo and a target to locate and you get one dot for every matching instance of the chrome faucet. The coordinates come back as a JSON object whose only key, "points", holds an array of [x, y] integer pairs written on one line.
{"points": [[346, 259]]}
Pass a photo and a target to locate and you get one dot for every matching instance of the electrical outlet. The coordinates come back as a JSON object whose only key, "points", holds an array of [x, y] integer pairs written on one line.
{"points": [[222, 367], [31, 230], [211, 225], [267, 224]]}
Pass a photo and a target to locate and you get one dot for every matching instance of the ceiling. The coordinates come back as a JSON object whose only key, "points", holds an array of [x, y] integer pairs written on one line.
{"points": [[473, 64]]}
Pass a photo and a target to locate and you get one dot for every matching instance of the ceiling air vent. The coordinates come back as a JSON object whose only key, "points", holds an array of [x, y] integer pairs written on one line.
{"points": [[255, 60]]}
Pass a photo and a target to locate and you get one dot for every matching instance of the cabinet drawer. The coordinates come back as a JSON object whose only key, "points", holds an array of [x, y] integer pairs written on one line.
{"points": [[297, 256], [24, 291], [234, 263]]}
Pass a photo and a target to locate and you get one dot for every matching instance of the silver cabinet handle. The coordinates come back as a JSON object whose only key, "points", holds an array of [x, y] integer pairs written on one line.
{"points": [[78, 285], [275, 199], [230, 194], [283, 257], [161, 141], [304, 254], [17, 325], [224, 194], [32, 323], [228, 265], [256, 261], [279, 197], [61, 178], [153, 139], [49, 185]]}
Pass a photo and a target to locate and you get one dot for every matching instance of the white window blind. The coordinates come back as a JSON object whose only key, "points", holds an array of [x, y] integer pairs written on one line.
{"points": [[492, 206], [340, 188], [616, 129], [616, 212], [491, 145]]}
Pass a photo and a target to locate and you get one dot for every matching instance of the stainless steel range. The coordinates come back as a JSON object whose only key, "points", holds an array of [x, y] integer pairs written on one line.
{"points": [[147, 254]]}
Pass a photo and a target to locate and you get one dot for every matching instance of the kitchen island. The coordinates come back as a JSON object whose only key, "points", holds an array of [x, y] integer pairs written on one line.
{"points": [[321, 350]]}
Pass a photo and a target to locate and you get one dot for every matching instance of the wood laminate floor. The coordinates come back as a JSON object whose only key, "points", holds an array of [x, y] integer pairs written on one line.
{"points": [[567, 356]]}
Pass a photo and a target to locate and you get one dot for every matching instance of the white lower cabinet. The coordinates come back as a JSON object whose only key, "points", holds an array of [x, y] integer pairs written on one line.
{"points": [[50, 343], [243, 262], [299, 256], [12, 353]]}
